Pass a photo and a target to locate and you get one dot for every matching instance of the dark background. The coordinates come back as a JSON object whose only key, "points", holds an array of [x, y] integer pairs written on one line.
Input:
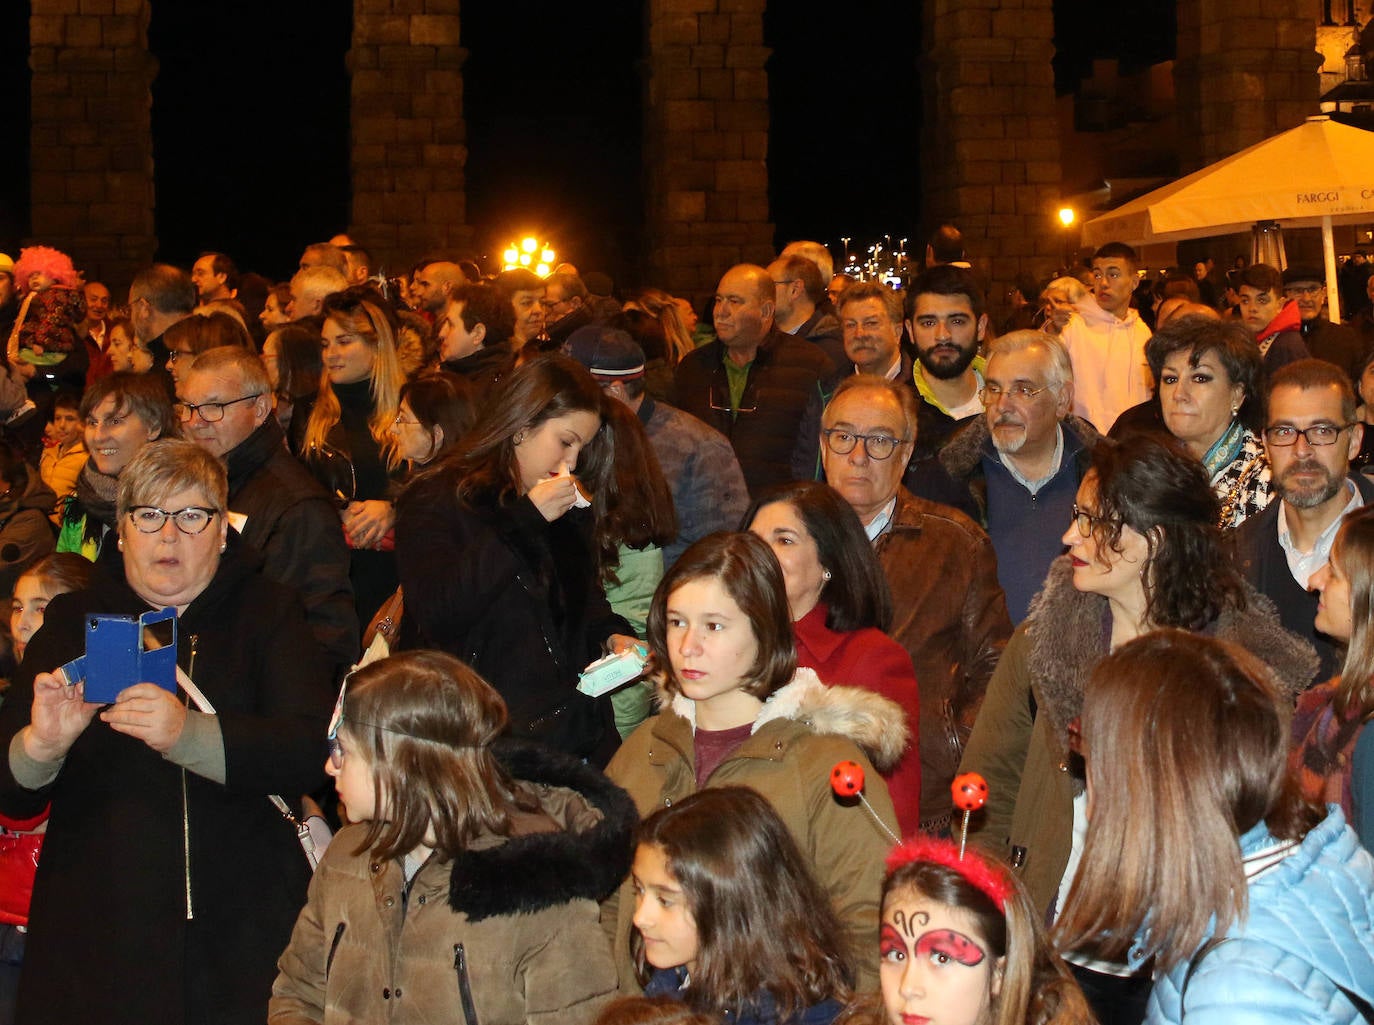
{"points": [[250, 121]]}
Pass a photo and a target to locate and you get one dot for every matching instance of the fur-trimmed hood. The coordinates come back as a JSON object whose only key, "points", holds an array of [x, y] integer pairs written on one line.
{"points": [[539, 870], [963, 452], [875, 723], [1070, 631]]}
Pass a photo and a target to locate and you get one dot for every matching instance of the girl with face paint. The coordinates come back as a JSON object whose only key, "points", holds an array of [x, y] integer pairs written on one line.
{"points": [[961, 944], [728, 917]]}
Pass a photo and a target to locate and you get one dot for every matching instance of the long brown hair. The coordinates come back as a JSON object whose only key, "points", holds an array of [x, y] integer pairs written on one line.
{"points": [[1353, 553], [633, 503], [424, 721], [763, 922], [1186, 744]]}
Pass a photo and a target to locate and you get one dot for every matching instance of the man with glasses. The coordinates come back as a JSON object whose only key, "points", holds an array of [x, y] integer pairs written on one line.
{"points": [[949, 611], [753, 382], [1021, 462], [224, 405], [798, 291], [565, 308], [160, 296], [1335, 343], [1311, 433]]}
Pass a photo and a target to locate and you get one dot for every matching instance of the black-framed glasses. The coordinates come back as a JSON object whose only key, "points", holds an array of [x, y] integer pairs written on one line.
{"points": [[990, 393], [726, 407], [1085, 520], [210, 412], [1284, 435], [149, 519], [877, 446]]}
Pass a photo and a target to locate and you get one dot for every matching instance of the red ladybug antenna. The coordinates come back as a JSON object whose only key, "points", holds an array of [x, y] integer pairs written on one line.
{"points": [[970, 792], [847, 780]]}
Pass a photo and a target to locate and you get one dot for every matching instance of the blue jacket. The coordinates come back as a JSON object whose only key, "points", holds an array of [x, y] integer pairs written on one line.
{"points": [[1310, 929], [761, 1011]]}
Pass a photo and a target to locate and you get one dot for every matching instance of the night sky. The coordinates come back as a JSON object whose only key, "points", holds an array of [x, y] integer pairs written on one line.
{"points": [[250, 121]]}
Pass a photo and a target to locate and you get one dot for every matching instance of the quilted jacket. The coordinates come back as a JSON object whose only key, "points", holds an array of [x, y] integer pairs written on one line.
{"points": [[1310, 930]]}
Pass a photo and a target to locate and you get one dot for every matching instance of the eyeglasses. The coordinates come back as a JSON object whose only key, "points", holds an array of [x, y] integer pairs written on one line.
{"points": [[149, 519], [1085, 520], [1020, 392], [175, 354], [1284, 435], [877, 446], [210, 412], [1305, 289], [399, 422], [716, 404], [336, 753]]}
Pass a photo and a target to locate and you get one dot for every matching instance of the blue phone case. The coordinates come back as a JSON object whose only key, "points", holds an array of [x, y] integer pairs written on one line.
{"points": [[118, 657]]}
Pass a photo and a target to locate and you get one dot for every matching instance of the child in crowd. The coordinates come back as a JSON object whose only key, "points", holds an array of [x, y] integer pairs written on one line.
{"points": [[962, 945], [467, 885], [21, 840], [64, 450], [45, 330], [738, 712], [728, 917]]}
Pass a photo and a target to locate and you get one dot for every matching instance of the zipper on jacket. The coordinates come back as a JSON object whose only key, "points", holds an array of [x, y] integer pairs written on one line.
{"points": [[460, 966], [333, 949], [186, 803]]}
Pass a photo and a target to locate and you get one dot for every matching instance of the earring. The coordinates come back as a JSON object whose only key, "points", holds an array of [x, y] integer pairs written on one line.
{"points": [[120, 544], [519, 438], [223, 545], [825, 575]]}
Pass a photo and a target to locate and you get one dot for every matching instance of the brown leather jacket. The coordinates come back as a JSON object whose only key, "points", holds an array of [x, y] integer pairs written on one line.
{"points": [[950, 614]]}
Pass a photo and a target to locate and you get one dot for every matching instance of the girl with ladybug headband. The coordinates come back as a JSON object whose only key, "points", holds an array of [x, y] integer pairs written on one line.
{"points": [[736, 710], [961, 944]]}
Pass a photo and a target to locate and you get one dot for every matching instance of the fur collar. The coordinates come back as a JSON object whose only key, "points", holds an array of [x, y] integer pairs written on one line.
{"points": [[875, 723], [1069, 631], [530, 873], [963, 452]]}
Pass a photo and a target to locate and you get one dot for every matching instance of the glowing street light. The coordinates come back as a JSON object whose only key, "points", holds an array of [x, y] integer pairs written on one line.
{"points": [[1066, 216], [530, 252]]}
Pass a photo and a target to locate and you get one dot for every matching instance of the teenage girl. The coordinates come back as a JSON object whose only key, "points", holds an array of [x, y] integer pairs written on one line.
{"points": [[728, 917], [20, 841], [466, 888], [738, 712], [961, 944]]}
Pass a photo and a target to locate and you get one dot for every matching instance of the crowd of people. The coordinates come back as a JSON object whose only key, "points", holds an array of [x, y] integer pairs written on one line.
{"points": [[1115, 558]]}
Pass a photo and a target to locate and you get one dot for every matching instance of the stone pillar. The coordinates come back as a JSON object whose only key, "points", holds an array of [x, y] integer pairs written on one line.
{"points": [[706, 142], [91, 170], [1245, 71], [990, 142], [408, 134]]}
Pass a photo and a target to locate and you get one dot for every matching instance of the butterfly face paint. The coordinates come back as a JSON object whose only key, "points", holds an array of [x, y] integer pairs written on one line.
{"points": [[935, 968]]}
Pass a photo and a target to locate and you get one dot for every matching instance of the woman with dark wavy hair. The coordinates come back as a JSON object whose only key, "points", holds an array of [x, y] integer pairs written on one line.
{"points": [[1144, 552]]}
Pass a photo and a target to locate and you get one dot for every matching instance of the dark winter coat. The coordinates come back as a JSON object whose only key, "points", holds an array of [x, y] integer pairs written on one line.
{"points": [[504, 934], [110, 937], [516, 597], [785, 373], [295, 525], [26, 533]]}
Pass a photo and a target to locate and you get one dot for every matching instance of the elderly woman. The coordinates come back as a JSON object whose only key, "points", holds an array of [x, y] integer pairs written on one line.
{"points": [[121, 414], [1209, 392], [169, 882], [1057, 304], [1144, 552]]}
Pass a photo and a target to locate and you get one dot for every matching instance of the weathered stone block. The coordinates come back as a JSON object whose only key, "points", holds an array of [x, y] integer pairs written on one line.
{"points": [[742, 176], [116, 32], [716, 84], [676, 30], [684, 205], [738, 56], [742, 116], [690, 115], [434, 30], [81, 30], [679, 84], [751, 84], [374, 129], [707, 56]]}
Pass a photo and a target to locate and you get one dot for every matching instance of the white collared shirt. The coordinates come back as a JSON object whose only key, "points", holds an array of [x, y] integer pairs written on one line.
{"points": [[879, 524], [1034, 486], [1303, 564]]}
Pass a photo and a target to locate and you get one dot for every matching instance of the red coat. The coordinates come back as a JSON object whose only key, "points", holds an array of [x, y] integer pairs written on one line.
{"points": [[870, 659]]}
